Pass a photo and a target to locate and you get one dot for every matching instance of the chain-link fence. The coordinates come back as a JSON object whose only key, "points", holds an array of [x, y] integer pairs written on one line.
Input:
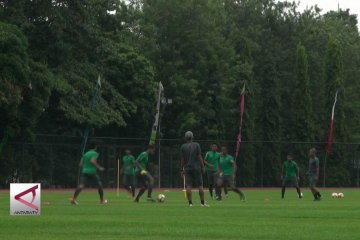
{"points": [[54, 160]]}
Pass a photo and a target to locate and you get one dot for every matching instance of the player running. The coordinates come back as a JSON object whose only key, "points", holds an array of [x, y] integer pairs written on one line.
{"points": [[227, 172], [192, 167], [89, 174], [143, 177], [313, 174], [290, 175], [212, 161], [128, 172]]}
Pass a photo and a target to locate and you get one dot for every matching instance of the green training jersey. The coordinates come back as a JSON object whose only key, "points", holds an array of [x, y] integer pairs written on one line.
{"points": [[290, 169], [226, 163], [212, 158], [88, 167], [143, 159], [128, 164]]}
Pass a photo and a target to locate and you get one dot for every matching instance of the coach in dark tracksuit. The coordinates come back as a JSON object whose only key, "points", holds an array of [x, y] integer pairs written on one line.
{"points": [[192, 166]]}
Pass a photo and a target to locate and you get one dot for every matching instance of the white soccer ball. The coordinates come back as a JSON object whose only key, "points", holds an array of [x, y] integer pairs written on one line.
{"points": [[341, 195], [301, 194], [334, 195], [161, 198]]}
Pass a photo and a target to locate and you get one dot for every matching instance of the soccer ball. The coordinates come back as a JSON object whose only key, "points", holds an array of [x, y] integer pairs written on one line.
{"points": [[341, 195], [161, 198], [301, 194], [334, 195]]}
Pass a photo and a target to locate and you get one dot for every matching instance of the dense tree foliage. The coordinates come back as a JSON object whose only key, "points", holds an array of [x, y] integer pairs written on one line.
{"points": [[204, 52]]}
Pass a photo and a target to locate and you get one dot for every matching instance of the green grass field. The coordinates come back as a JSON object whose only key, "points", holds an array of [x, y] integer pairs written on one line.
{"points": [[263, 216]]}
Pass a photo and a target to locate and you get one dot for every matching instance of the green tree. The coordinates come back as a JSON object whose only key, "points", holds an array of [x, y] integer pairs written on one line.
{"points": [[300, 114], [243, 30], [77, 40], [193, 60], [336, 171], [14, 71], [270, 120], [25, 90]]}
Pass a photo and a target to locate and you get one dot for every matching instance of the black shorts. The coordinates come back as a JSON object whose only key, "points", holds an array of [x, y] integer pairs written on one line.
{"points": [[90, 179], [193, 178], [290, 182], [227, 180], [212, 177], [128, 180], [142, 180]]}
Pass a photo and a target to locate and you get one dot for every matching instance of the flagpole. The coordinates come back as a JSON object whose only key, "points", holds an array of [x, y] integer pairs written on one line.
{"points": [[242, 106], [87, 129], [92, 107], [157, 116], [155, 128], [329, 138]]}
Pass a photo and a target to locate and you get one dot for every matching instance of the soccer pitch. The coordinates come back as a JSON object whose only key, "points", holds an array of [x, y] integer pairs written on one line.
{"points": [[263, 216]]}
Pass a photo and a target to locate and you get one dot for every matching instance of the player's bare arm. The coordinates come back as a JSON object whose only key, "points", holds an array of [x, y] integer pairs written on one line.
{"points": [[208, 164], [94, 162], [234, 168], [182, 163], [201, 161], [142, 170]]}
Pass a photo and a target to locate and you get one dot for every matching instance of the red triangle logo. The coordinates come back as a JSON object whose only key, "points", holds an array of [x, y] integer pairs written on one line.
{"points": [[29, 204]]}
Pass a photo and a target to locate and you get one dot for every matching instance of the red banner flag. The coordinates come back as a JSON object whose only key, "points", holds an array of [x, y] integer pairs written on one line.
{"points": [[242, 109], [330, 136]]}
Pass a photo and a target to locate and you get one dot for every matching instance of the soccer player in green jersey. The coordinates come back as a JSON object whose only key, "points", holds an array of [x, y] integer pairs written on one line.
{"points": [[290, 175], [212, 161], [89, 167], [313, 174], [128, 172], [192, 167], [227, 172], [143, 177]]}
